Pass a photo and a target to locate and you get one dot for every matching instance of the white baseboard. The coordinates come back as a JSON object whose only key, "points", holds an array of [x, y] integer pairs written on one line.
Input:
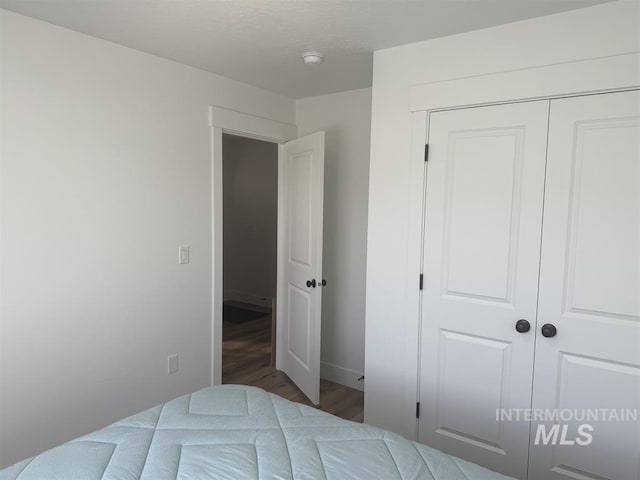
{"points": [[245, 297], [341, 375]]}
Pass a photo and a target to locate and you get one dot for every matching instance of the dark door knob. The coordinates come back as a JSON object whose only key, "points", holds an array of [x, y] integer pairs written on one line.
{"points": [[523, 326], [323, 283], [311, 283], [549, 330]]}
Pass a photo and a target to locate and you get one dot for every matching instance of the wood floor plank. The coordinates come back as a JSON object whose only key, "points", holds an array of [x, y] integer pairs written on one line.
{"points": [[246, 357]]}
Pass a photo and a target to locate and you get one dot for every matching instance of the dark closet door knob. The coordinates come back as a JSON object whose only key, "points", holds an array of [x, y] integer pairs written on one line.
{"points": [[523, 326], [323, 283], [549, 330], [311, 283]]}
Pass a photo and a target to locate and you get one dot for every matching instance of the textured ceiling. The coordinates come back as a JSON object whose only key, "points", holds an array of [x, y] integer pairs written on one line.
{"points": [[260, 42]]}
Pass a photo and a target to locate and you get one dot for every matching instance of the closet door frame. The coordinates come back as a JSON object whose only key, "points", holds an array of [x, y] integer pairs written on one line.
{"points": [[586, 77]]}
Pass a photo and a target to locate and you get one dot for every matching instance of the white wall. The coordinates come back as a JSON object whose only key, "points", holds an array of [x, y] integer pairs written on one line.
{"points": [[250, 189], [391, 367], [105, 171], [346, 119]]}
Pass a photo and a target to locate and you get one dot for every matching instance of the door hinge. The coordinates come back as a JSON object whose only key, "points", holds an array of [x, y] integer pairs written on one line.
{"points": [[418, 410], [426, 152], [421, 281]]}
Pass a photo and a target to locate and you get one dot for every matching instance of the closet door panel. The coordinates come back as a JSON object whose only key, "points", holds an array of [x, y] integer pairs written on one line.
{"points": [[590, 290], [484, 194]]}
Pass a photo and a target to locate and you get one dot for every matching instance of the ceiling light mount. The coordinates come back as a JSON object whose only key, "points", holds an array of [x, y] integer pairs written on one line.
{"points": [[312, 58]]}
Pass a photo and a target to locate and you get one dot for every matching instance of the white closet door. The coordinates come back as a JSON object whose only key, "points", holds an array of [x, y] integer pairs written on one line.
{"points": [[485, 183], [590, 286]]}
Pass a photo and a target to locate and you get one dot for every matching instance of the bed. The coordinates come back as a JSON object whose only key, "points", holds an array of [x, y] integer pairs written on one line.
{"points": [[237, 432]]}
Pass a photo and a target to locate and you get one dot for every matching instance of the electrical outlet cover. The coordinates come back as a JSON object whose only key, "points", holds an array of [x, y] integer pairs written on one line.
{"points": [[184, 254]]}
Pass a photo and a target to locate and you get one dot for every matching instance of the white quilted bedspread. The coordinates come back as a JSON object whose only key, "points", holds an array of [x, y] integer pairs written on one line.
{"points": [[235, 432]]}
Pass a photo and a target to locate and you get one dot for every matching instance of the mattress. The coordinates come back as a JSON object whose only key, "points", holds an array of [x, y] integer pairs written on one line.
{"points": [[237, 432]]}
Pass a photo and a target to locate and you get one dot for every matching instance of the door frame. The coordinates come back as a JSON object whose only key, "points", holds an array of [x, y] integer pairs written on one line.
{"points": [[223, 120], [585, 77]]}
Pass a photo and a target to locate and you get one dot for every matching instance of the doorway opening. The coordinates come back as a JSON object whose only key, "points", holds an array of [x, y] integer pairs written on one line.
{"points": [[252, 172], [299, 280], [250, 216]]}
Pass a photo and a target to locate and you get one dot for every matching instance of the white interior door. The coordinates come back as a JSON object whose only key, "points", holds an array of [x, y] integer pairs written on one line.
{"points": [[300, 263], [484, 194], [590, 287]]}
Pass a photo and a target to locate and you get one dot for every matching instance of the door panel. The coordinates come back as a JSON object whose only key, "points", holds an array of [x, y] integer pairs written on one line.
{"points": [[299, 304], [590, 286], [491, 224], [299, 187], [492, 360], [485, 183], [299, 331], [603, 204]]}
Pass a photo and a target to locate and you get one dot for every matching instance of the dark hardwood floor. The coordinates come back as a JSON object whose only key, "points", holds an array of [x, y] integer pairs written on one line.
{"points": [[246, 360]]}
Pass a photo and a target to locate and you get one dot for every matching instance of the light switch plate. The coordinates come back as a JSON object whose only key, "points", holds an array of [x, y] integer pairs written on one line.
{"points": [[184, 254], [172, 363]]}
